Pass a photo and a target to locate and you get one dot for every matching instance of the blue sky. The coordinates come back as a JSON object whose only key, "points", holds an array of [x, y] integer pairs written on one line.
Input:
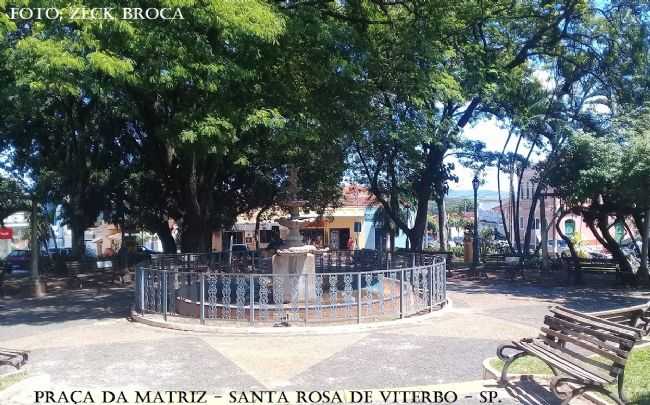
{"points": [[488, 132]]}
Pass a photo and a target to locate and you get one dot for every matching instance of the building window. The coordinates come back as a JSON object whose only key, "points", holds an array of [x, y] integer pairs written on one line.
{"points": [[266, 236], [619, 231], [537, 223], [569, 227], [521, 222]]}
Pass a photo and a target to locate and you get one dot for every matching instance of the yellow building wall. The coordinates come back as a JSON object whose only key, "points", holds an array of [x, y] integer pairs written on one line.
{"points": [[343, 222], [329, 223]]}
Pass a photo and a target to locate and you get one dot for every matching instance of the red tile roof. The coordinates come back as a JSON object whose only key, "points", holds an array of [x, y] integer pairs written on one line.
{"points": [[355, 195]]}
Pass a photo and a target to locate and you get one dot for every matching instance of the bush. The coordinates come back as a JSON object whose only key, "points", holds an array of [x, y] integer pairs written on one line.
{"points": [[458, 251]]}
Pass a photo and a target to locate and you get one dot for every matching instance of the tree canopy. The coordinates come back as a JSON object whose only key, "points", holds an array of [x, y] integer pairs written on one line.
{"points": [[199, 119]]}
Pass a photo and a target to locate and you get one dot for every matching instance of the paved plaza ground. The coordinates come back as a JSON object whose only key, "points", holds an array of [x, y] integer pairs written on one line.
{"points": [[82, 339]]}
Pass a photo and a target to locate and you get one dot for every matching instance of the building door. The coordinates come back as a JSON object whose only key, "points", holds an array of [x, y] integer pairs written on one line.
{"points": [[339, 238], [344, 235], [379, 239], [334, 238], [237, 238]]}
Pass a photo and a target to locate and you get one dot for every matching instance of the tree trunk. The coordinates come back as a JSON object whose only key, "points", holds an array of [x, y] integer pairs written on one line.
{"points": [[258, 219], [543, 231], [196, 236], [78, 242], [515, 214], [503, 215], [574, 255], [442, 223], [416, 235], [161, 228], [612, 245], [530, 224], [38, 289], [196, 231], [643, 275]]}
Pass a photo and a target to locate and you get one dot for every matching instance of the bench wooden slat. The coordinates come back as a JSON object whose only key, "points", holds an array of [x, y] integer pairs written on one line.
{"points": [[564, 364], [586, 342], [14, 358], [598, 341], [589, 360], [636, 308], [604, 324], [636, 331], [626, 341]]}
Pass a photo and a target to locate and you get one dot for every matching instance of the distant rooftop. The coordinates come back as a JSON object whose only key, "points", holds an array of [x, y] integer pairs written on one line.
{"points": [[355, 195]]}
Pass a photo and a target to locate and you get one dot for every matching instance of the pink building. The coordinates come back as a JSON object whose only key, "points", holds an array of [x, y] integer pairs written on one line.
{"points": [[572, 225]]}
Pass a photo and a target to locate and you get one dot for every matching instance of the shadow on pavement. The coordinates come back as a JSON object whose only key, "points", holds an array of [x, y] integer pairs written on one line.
{"points": [[578, 298], [529, 391], [68, 305]]}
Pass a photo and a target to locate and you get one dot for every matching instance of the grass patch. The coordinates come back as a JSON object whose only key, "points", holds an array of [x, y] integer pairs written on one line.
{"points": [[637, 373], [637, 377], [9, 380], [526, 365]]}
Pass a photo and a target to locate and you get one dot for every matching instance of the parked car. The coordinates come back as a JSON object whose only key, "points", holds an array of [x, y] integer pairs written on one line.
{"points": [[239, 248], [20, 259], [66, 253], [139, 254], [62, 252]]}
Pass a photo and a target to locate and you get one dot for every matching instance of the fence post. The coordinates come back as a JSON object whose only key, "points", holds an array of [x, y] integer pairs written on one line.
{"points": [[251, 303], [401, 294], [443, 281], [141, 281], [431, 274], [164, 292], [359, 297], [306, 297], [202, 300]]}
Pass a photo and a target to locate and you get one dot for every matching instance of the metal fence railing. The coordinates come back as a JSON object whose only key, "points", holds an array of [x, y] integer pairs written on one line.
{"points": [[206, 295]]}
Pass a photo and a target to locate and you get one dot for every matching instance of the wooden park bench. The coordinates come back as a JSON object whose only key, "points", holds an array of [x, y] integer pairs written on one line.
{"points": [[13, 358], [77, 272], [600, 266], [583, 351], [113, 266], [511, 266]]}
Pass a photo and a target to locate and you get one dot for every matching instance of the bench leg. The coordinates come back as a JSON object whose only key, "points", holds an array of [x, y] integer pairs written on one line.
{"points": [[644, 324], [581, 388], [508, 359], [619, 383]]}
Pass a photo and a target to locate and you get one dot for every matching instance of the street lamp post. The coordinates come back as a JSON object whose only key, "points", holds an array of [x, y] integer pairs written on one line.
{"points": [[475, 255]]}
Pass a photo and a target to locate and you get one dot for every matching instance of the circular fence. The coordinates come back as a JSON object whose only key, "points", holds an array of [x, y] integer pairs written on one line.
{"points": [[347, 287]]}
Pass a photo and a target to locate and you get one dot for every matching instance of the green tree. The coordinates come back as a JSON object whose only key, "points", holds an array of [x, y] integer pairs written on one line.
{"points": [[429, 73], [190, 120]]}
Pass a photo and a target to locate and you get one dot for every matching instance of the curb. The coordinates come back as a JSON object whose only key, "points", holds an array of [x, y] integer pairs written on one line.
{"points": [[292, 331]]}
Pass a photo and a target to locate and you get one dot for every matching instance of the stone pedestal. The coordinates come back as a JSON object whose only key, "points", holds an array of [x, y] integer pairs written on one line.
{"points": [[298, 273]]}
